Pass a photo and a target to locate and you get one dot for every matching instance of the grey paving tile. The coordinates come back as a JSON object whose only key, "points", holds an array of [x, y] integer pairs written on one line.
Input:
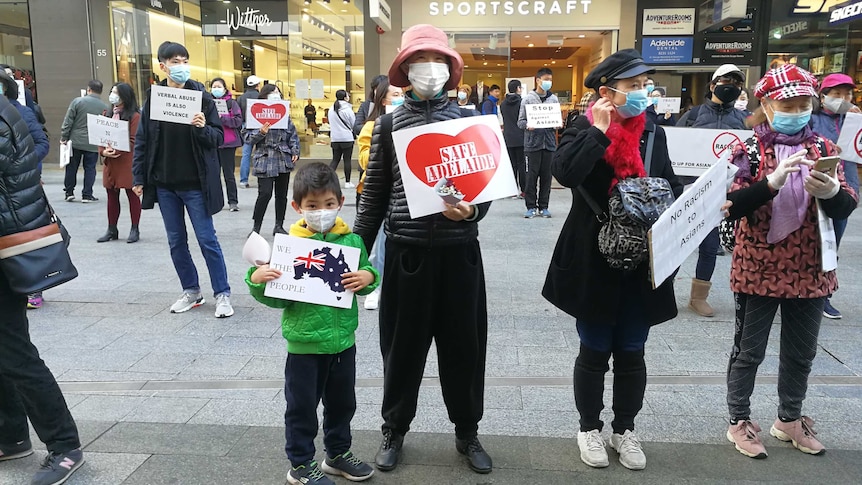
{"points": [[273, 347], [537, 398], [228, 394], [166, 410], [241, 413], [540, 356], [85, 375], [188, 470], [210, 364], [107, 468], [165, 363], [106, 408], [175, 344], [263, 368], [169, 439]]}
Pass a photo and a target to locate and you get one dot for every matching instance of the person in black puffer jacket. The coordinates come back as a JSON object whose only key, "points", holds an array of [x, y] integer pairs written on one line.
{"points": [[435, 283], [27, 387]]}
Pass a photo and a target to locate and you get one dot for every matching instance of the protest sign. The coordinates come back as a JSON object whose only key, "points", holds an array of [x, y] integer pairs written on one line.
{"points": [[221, 107], [668, 105], [685, 224], [693, 150], [261, 111], [850, 138], [174, 105], [22, 97], [108, 132], [544, 115], [828, 241], [311, 271], [463, 159]]}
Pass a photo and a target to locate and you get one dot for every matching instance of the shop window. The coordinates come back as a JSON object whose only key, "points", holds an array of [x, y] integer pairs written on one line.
{"points": [[15, 48]]}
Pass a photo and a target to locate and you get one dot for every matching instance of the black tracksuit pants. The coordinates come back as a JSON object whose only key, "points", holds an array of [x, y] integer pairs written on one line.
{"points": [[436, 293]]}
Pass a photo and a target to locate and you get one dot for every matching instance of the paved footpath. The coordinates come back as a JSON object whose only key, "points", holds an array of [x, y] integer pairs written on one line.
{"points": [[188, 399]]}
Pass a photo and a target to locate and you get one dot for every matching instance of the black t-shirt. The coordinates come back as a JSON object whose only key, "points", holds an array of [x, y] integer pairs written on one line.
{"points": [[175, 164], [310, 113]]}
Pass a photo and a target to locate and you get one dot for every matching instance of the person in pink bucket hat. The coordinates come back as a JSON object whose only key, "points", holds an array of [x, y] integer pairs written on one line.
{"points": [[435, 283], [777, 256], [836, 100]]}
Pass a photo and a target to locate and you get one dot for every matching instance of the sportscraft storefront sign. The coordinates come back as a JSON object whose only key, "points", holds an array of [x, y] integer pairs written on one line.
{"points": [[495, 14], [667, 50], [522, 7]]}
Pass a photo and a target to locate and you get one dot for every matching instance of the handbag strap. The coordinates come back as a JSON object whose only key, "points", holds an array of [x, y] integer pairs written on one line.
{"points": [[649, 144], [600, 214]]}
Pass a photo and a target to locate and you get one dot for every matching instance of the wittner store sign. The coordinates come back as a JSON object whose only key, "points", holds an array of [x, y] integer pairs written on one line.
{"points": [[244, 18], [514, 13]]}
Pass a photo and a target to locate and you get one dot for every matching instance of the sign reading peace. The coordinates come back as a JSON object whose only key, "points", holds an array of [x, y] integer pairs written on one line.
{"points": [[262, 111]]}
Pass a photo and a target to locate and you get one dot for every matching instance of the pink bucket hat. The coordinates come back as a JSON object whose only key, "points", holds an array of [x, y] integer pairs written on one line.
{"points": [[834, 80], [786, 81], [424, 37]]}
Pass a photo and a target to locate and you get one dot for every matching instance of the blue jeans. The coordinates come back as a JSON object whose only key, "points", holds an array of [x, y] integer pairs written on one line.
{"points": [[706, 256], [90, 159], [173, 204], [628, 334], [245, 163]]}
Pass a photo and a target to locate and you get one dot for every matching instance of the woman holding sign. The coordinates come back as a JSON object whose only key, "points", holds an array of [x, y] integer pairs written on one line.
{"points": [[117, 171], [275, 152], [231, 122], [778, 260]]}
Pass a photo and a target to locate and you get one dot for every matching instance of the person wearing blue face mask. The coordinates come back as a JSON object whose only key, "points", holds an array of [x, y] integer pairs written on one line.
{"points": [[539, 146], [177, 165], [665, 119], [614, 309], [231, 124]]}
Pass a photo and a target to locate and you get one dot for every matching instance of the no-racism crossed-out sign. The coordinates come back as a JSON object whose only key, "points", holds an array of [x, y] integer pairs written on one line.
{"points": [[850, 139], [694, 150], [262, 111]]}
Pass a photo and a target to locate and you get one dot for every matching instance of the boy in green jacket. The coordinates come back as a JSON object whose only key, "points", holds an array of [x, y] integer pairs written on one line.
{"points": [[321, 350]]}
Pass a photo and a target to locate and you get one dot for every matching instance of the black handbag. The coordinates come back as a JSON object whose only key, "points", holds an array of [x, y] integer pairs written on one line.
{"points": [[38, 259]]}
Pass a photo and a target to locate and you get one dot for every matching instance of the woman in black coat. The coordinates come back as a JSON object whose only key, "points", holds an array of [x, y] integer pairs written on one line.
{"points": [[614, 309]]}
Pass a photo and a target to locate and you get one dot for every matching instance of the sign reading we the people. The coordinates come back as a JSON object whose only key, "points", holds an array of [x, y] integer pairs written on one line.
{"points": [[544, 115], [686, 223], [694, 150], [311, 271], [442, 163], [174, 105], [108, 132], [262, 111]]}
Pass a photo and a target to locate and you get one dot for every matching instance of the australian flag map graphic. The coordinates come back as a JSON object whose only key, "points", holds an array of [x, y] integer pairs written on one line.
{"points": [[323, 265]]}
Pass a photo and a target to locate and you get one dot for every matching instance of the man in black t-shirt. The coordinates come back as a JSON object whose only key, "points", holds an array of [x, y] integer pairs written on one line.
{"points": [[311, 116]]}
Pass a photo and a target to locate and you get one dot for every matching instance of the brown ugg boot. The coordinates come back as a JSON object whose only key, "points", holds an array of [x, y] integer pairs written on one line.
{"points": [[699, 292]]}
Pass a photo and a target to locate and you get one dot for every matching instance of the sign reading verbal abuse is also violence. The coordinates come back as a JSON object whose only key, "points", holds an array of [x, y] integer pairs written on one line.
{"points": [[850, 139], [108, 132], [262, 111], [174, 105], [544, 115], [311, 271], [693, 150], [452, 161], [685, 224]]}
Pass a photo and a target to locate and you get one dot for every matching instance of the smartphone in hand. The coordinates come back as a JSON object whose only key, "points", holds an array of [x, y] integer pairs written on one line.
{"points": [[828, 165]]}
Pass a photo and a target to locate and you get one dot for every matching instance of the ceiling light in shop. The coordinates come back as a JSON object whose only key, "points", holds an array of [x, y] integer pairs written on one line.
{"points": [[484, 63], [530, 45], [581, 36], [526, 36], [553, 62]]}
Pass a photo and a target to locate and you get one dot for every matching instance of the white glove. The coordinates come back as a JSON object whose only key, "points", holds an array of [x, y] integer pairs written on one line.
{"points": [[789, 165], [821, 185]]}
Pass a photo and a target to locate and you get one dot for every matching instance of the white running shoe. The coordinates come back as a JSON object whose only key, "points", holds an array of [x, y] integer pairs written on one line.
{"points": [[372, 301], [592, 447], [223, 308], [187, 302], [349, 185], [629, 448]]}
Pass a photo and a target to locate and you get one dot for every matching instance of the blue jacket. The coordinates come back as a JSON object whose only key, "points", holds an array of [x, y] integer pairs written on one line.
{"points": [[489, 106], [204, 141], [713, 115], [828, 125], [40, 139]]}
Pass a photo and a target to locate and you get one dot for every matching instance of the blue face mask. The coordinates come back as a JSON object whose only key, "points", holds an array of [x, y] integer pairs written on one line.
{"points": [[218, 92], [546, 85], [1, 88], [789, 123], [397, 101], [636, 103], [180, 73], [650, 88]]}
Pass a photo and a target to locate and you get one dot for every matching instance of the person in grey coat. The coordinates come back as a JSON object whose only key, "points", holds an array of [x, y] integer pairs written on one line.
{"points": [[539, 147], [75, 130]]}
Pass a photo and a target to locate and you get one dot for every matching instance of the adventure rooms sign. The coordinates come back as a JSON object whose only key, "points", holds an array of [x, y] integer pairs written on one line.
{"points": [[245, 18]]}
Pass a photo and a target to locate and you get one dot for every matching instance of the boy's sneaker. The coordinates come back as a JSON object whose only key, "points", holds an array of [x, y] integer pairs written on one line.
{"points": [[89, 198], [34, 301], [223, 308], [531, 213], [372, 301], [308, 473], [70, 198], [545, 213], [593, 451], [744, 435], [15, 451], [629, 448], [187, 302], [58, 467], [801, 433], [348, 466], [830, 311]]}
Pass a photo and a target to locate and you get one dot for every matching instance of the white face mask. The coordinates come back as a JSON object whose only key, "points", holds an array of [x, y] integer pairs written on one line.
{"points": [[114, 98], [838, 106], [428, 78], [740, 105], [321, 220], [273, 96]]}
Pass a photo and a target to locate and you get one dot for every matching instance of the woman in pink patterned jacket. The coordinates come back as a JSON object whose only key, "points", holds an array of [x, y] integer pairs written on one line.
{"points": [[777, 257]]}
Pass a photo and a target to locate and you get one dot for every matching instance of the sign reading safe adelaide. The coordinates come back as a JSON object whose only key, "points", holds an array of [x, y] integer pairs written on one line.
{"points": [[728, 48], [244, 18]]}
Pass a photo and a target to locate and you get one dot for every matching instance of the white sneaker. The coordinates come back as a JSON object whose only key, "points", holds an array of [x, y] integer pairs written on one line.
{"points": [[592, 447], [629, 448], [348, 185], [187, 302], [223, 308], [372, 301]]}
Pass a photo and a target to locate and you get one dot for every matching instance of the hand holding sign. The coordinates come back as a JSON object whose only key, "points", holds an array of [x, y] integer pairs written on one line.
{"points": [[174, 105], [543, 115], [262, 111]]}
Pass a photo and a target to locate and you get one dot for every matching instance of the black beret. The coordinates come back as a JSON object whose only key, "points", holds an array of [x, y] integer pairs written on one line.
{"points": [[622, 64]]}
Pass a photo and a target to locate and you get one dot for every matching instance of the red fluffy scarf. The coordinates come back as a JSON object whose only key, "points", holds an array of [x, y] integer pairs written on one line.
{"points": [[624, 153]]}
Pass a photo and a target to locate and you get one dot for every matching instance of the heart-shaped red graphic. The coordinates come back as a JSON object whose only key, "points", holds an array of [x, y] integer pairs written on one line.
{"points": [[268, 113], [469, 159]]}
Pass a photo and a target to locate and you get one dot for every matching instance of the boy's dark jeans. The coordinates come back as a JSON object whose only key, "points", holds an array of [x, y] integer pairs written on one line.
{"points": [[27, 387], [308, 379]]}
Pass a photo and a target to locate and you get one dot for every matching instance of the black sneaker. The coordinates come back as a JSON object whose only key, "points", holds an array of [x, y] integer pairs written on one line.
{"points": [[58, 467], [390, 451], [89, 198], [308, 473], [348, 466], [15, 451], [70, 198], [477, 458]]}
